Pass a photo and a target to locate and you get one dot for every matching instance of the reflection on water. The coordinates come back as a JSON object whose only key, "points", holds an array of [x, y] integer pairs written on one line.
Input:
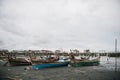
{"points": [[109, 63]]}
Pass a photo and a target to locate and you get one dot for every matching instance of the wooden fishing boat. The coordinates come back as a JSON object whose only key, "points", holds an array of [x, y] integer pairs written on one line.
{"points": [[86, 61], [43, 59], [50, 65], [78, 63], [19, 62], [18, 59]]}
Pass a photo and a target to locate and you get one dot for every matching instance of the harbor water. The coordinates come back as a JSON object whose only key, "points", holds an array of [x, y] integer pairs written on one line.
{"points": [[104, 71]]}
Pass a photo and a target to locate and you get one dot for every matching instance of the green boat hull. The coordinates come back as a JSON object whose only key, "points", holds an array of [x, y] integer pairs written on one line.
{"points": [[89, 63]]}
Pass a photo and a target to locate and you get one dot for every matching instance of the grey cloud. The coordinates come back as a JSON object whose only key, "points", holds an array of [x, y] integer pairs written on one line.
{"points": [[54, 24]]}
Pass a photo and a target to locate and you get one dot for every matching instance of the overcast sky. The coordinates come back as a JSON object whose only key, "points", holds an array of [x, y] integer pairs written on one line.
{"points": [[59, 24]]}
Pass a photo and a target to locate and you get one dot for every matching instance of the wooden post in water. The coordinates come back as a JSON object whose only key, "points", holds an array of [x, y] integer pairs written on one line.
{"points": [[116, 55]]}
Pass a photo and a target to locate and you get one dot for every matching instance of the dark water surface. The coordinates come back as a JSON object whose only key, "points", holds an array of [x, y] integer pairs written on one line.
{"points": [[105, 71]]}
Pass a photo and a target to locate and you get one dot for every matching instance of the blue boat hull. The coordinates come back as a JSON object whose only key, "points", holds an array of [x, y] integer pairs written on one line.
{"points": [[50, 65]]}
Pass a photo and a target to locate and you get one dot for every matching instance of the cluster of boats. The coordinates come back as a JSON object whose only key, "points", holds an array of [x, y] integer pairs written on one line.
{"points": [[48, 61]]}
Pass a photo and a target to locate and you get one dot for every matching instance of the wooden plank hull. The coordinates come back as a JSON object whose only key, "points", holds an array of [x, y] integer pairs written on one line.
{"points": [[85, 63], [93, 62], [19, 63], [50, 65]]}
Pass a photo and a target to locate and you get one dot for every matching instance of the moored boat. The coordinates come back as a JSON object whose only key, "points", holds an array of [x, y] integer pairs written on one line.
{"points": [[84, 61], [93, 62], [50, 65], [19, 59], [19, 62]]}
